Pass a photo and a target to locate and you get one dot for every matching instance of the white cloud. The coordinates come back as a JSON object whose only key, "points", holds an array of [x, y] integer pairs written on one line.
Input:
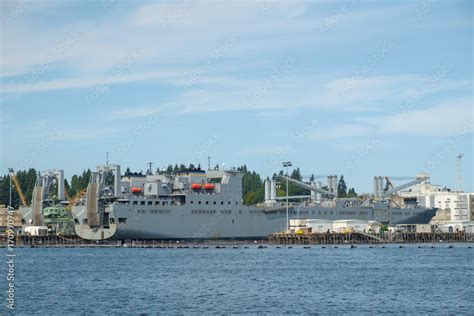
{"points": [[293, 90], [451, 117], [205, 14], [448, 118], [131, 113], [184, 34], [166, 33], [341, 131], [88, 82], [191, 31]]}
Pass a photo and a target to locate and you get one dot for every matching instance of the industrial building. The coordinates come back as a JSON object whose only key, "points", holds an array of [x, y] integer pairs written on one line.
{"points": [[451, 205], [457, 226], [337, 226], [345, 226]]}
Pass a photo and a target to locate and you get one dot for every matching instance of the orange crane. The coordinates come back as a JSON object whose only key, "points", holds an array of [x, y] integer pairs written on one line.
{"points": [[18, 187]]}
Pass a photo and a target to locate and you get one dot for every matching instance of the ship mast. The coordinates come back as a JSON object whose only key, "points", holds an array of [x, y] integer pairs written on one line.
{"points": [[150, 166]]}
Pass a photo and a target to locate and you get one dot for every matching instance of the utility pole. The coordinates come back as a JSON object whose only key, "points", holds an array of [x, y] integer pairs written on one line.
{"points": [[287, 164], [460, 186], [459, 173]]}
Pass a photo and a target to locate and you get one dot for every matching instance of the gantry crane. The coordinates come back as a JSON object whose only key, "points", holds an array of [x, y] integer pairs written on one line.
{"points": [[18, 187]]}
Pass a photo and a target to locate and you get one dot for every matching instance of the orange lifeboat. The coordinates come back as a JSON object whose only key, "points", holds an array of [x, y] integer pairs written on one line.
{"points": [[136, 190], [209, 186], [196, 186]]}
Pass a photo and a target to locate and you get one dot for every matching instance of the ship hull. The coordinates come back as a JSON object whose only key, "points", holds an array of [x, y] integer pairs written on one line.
{"points": [[236, 222]]}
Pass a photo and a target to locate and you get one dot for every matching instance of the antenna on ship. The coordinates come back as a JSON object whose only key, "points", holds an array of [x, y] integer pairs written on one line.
{"points": [[150, 166], [208, 162]]}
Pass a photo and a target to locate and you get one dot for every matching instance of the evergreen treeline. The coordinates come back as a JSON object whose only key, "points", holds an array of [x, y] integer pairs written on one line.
{"points": [[27, 180], [253, 188], [342, 189]]}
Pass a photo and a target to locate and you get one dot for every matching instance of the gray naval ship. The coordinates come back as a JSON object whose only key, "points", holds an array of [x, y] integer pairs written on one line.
{"points": [[208, 204]]}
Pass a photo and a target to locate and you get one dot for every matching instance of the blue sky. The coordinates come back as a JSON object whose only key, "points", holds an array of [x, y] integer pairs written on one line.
{"points": [[353, 87]]}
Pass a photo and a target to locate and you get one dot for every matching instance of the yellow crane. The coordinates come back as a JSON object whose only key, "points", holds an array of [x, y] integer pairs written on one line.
{"points": [[75, 199], [17, 187]]}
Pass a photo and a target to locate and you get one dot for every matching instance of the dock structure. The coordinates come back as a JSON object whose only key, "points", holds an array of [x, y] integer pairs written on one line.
{"points": [[25, 241], [365, 238]]}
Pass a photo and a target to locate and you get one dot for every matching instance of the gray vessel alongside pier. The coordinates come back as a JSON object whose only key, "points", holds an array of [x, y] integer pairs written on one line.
{"points": [[203, 205]]}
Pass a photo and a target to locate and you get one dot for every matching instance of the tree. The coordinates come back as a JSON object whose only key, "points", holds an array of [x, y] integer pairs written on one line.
{"points": [[342, 188], [296, 174], [249, 197], [67, 187], [27, 180], [253, 189], [74, 185], [79, 183], [351, 193]]}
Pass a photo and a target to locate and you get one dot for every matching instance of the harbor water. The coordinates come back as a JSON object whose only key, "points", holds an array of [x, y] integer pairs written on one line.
{"points": [[361, 280]]}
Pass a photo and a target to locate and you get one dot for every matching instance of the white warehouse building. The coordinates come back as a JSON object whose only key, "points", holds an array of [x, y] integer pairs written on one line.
{"points": [[319, 225], [458, 226], [353, 225], [339, 226], [453, 206]]}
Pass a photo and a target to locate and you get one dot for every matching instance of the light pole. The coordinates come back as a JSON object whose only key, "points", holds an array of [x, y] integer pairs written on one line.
{"points": [[10, 199], [287, 164]]}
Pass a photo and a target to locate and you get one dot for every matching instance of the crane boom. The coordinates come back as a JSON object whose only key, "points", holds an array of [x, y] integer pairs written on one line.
{"points": [[306, 186], [18, 187], [406, 185]]}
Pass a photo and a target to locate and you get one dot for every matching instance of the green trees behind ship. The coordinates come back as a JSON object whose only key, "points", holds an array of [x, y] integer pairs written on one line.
{"points": [[27, 181], [342, 189], [253, 188]]}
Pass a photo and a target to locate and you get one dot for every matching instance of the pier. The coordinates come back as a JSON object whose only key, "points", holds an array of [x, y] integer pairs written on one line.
{"points": [[365, 238], [24, 241]]}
